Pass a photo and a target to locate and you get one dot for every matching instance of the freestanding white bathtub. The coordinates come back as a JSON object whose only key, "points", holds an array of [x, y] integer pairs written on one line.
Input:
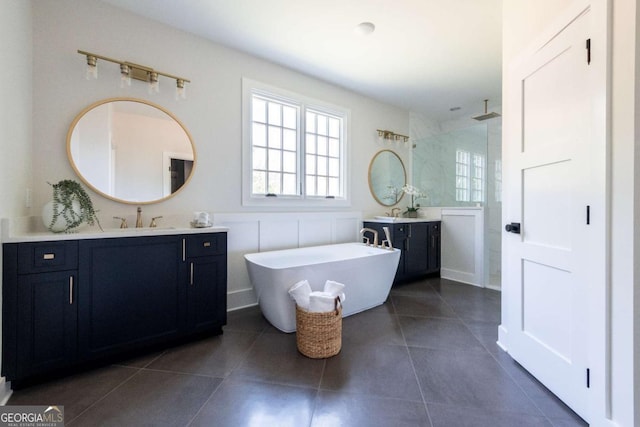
{"points": [[366, 272]]}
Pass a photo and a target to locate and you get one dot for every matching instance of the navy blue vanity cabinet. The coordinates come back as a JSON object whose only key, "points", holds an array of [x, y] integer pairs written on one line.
{"points": [[206, 258], [420, 245], [40, 307], [130, 293], [91, 301]]}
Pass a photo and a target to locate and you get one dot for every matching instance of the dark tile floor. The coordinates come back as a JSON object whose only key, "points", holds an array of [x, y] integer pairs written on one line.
{"points": [[427, 357]]}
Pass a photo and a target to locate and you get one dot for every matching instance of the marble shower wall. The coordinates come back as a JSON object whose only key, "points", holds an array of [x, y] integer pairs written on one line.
{"points": [[433, 170]]}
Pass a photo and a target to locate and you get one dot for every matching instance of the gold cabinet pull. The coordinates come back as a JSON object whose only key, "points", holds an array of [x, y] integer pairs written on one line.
{"points": [[184, 249], [191, 275], [70, 290], [49, 256], [206, 244]]}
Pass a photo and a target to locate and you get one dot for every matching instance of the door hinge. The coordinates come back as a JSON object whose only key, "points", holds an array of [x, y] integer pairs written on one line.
{"points": [[588, 51], [588, 214], [588, 378]]}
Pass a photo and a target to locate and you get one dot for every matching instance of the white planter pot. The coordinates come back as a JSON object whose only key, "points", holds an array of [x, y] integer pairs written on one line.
{"points": [[61, 223]]}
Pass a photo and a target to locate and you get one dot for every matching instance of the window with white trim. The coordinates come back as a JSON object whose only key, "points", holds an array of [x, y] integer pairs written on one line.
{"points": [[470, 172], [294, 149], [477, 179], [462, 175]]}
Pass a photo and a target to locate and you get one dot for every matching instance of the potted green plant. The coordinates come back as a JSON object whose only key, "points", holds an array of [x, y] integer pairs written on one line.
{"points": [[416, 194], [71, 207]]}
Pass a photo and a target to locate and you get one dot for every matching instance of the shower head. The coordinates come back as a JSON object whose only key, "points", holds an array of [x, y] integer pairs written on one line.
{"points": [[486, 116]]}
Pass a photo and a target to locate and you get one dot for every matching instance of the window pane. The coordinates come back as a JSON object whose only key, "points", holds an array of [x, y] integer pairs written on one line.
{"points": [[311, 185], [334, 167], [275, 114], [289, 115], [259, 110], [311, 164], [322, 124], [289, 161], [322, 145], [274, 183], [275, 137], [334, 147], [322, 186], [274, 160], [259, 135], [259, 158], [311, 122], [334, 127], [334, 187], [259, 182], [289, 140], [311, 144], [322, 166], [289, 184]]}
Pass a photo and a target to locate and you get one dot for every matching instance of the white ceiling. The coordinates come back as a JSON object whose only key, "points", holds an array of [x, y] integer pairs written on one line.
{"points": [[424, 55]]}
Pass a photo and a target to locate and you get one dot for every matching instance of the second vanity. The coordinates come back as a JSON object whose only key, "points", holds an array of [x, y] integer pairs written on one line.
{"points": [[419, 241], [79, 299]]}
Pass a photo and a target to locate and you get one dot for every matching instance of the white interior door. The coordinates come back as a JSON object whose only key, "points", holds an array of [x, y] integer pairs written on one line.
{"points": [[548, 261]]}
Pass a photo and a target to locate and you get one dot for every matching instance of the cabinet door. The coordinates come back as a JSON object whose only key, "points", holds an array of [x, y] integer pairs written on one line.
{"points": [[416, 257], [207, 293], [131, 294], [47, 321]]}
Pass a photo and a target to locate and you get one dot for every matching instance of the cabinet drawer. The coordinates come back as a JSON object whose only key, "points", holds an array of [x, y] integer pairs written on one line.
{"points": [[206, 244], [47, 256]]}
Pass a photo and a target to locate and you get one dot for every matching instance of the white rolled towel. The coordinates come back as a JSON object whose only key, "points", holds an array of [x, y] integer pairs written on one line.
{"points": [[321, 302], [335, 288], [300, 293]]}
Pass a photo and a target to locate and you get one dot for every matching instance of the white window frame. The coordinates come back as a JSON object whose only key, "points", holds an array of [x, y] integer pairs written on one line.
{"points": [[251, 87], [470, 185], [463, 175]]}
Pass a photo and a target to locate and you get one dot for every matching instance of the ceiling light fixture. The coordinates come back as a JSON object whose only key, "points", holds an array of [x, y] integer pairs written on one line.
{"points": [[129, 70], [364, 28]]}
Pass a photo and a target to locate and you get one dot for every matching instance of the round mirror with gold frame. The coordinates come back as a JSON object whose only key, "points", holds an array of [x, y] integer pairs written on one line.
{"points": [[387, 176], [131, 151]]}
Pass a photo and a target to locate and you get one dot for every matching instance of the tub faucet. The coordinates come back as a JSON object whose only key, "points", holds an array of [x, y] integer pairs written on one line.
{"points": [[139, 218], [375, 236]]}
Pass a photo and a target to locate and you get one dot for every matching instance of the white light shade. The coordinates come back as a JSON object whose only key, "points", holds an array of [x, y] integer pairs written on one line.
{"points": [[364, 28]]}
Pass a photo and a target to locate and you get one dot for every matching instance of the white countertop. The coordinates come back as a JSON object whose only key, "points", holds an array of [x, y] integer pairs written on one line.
{"points": [[27, 230], [394, 220]]}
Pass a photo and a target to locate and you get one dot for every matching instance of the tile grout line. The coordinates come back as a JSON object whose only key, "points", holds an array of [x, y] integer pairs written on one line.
{"points": [[413, 366], [226, 378], [137, 371]]}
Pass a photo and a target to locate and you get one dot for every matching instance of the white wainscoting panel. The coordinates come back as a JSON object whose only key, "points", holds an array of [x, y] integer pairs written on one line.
{"points": [[463, 245], [260, 232]]}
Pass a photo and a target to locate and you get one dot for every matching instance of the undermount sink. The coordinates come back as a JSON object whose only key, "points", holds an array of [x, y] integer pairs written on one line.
{"points": [[388, 218]]}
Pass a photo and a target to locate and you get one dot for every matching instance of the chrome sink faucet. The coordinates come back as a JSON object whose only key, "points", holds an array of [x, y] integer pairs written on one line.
{"points": [[375, 236]]}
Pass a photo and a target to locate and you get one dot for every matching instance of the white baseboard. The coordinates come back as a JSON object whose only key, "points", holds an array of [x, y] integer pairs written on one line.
{"points": [[459, 276], [5, 391], [240, 299], [502, 338]]}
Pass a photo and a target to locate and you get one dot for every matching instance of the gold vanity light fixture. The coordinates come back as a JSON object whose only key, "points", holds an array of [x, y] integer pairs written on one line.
{"points": [[130, 70], [391, 137]]}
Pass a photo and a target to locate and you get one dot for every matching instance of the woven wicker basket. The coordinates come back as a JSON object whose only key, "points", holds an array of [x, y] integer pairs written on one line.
{"points": [[319, 335]]}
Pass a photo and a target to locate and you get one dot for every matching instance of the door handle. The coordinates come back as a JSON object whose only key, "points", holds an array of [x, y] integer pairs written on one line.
{"points": [[514, 227]]}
